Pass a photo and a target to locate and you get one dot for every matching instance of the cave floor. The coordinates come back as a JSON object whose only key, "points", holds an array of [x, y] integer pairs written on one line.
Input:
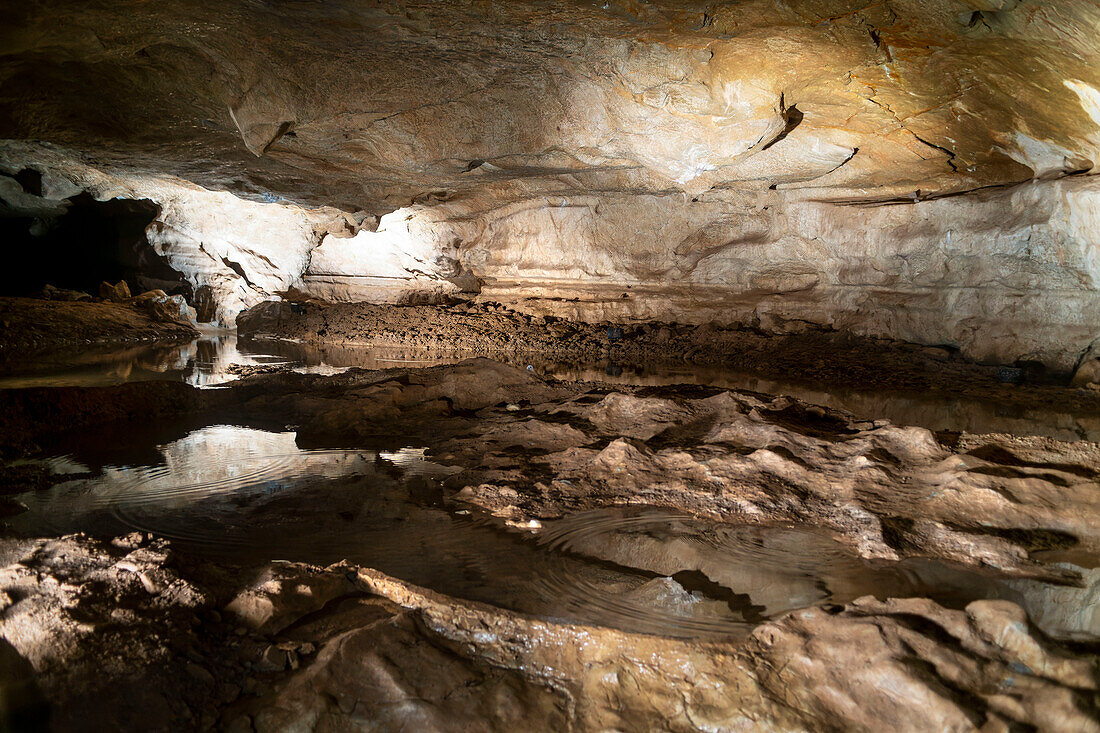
{"points": [[479, 544]]}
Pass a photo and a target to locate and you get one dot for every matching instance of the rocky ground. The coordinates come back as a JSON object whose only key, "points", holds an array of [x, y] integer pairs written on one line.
{"points": [[811, 355], [277, 646], [33, 324], [109, 628]]}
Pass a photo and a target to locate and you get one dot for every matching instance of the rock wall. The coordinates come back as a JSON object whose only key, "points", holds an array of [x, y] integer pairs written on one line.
{"points": [[241, 250], [1003, 275], [920, 170]]}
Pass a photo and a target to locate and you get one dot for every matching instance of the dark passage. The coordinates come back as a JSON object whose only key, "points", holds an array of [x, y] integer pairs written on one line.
{"points": [[87, 243]]}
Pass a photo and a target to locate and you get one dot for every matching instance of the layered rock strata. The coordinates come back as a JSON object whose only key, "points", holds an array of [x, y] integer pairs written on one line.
{"points": [[914, 170]]}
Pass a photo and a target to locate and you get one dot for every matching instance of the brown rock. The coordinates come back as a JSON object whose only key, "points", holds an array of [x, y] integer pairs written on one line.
{"points": [[116, 293], [908, 170]]}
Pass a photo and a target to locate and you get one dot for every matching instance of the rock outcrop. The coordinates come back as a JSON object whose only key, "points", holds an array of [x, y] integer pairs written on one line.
{"points": [[107, 628], [916, 170]]}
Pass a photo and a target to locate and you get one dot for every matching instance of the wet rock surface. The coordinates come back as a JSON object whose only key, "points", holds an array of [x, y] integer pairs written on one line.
{"points": [[813, 355], [895, 198], [718, 453], [108, 626], [264, 646], [539, 448]]}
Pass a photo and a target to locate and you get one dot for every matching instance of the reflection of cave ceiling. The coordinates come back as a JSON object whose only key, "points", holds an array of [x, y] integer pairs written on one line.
{"points": [[890, 168]]}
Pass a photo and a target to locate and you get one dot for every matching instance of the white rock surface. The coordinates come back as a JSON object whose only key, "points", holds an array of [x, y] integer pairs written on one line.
{"points": [[893, 169]]}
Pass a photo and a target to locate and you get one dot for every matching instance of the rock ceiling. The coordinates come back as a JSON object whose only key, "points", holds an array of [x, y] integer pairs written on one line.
{"points": [[744, 150], [371, 105]]}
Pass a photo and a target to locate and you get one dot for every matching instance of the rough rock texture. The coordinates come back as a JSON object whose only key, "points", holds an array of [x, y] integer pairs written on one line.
{"points": [[831, 361], [31, 325], [890, 168], [535, 450], [239, 250], [530, 448], [987, 501], [812, 670], [103, 629]]}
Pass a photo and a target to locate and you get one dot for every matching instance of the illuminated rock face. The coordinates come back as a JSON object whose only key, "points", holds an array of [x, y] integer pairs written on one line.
{"points": [[890, 169]]}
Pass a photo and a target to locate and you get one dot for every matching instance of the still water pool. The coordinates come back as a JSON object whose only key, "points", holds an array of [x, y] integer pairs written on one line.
{"points": [[242, 496]]}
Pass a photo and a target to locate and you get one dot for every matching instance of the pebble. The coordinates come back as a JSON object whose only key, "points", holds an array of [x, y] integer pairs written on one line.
{"points": [[272, 660], [199, 673], [228, 692]]}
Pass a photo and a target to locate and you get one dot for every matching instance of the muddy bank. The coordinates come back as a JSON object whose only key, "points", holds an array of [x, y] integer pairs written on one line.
{"points": [[813, 356], [108, 627], [32, 325]]}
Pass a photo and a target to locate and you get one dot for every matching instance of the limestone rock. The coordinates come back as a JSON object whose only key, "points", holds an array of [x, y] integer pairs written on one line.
{"points": [[281, 596], [116, 293], [167, 308], [1087, 372], [914, 170]]}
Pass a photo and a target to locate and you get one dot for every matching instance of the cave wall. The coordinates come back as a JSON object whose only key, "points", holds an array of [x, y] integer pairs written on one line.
{"points": [[916, 170], [1003, 275], [240, 251]]}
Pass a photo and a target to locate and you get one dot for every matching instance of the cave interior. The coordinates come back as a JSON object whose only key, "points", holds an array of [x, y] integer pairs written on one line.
{"points": [[681, 365]]}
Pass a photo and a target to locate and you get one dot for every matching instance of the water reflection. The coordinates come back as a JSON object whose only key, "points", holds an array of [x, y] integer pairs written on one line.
{"points": [[764, 571], [244, 495], [203, 362], [211, 361], [935, 411]]}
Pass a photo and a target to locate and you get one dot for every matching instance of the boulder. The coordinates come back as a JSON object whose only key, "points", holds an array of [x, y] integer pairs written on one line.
{"points": [[206, 304], [1087, 372], [169, 308], [265, 317], [116, 293]]}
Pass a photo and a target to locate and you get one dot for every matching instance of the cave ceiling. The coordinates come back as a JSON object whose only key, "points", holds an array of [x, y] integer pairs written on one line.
{"points": [[371, 106]]}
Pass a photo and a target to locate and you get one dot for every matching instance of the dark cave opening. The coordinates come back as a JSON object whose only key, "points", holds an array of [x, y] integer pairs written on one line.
{"points": [[91, 242]]}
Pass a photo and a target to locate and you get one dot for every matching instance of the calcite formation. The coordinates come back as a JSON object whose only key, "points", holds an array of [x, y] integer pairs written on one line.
{"points": [[918, 170]]}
